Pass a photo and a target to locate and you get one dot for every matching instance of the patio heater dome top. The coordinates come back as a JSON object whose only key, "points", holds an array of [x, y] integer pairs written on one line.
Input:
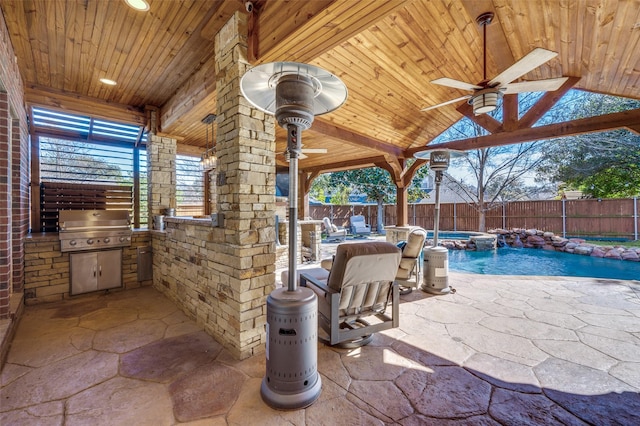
{"points": [[259, 84], [439, 158]]}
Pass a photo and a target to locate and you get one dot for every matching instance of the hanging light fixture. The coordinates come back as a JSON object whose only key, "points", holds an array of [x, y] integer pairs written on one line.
{"points": [[208, 160]]}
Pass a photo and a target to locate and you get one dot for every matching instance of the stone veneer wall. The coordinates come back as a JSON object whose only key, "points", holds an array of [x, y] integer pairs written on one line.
{"points": [[161, 188], [47, 268], [222, 276]]}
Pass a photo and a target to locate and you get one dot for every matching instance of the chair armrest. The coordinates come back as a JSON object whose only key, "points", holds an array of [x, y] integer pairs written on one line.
{"points": [[307, 279]]}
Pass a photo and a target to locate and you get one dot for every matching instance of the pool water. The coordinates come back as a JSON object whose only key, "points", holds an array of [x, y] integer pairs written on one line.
{"points": [[512, 261], [452, 235]]}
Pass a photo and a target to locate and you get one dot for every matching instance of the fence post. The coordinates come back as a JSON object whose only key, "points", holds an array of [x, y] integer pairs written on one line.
{"points": [[564, 219], [635, 218], [414, 214], [504, 219], [455, 222]]}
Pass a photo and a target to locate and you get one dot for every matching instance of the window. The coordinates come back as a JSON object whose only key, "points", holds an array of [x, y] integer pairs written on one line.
{"points": [[75, 149], [189, 186]]}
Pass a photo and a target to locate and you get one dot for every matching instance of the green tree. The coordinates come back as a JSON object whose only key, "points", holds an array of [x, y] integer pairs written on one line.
{"points": [[492, 176], [66, 160], [376, 184], [602, 165], [319, 187]]}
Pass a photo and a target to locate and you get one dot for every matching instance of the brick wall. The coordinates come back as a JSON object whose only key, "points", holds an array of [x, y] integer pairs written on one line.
{"points": [[14, 175], [47, 268], [21, 175], [5, 208]]}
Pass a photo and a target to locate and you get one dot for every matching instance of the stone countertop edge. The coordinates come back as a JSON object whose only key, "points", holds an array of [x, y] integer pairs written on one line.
{"points": [[189, 221], [53, 236]]}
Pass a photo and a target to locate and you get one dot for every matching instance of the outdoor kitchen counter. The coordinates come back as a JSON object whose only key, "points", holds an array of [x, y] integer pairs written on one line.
{"points": [[53, 236], [47, 270], [178, 222], [205, 221], [43, 237]]}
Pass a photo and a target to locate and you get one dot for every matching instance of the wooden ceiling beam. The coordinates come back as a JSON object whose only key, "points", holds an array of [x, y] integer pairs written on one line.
{"points": [[302, 31], [410, 172], [510, 112], [546, 102], [194, 92], [394, 166], [83, 105], [345, 165], [355, 139], [600, 123], [483, 120]]}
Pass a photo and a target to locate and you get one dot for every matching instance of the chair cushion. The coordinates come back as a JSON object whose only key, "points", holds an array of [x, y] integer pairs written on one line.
{"points": [[405, 268], [415, 243], [326, 264], [364, 263]]}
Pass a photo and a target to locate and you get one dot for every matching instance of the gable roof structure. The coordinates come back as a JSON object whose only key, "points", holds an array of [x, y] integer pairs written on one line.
{"points": [[385, 51]]}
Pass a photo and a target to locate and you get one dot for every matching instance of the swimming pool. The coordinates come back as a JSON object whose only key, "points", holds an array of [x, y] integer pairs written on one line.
{"points": [[512, 261], [454, 235]]}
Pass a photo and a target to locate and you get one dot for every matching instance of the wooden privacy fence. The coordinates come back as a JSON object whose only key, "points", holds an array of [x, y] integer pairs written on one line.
{"points": [[614, 218]]}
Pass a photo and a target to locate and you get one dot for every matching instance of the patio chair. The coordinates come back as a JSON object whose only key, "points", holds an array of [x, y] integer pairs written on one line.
{"points": [[359, 226], [360, 286], [334, 233], [410, 268]]}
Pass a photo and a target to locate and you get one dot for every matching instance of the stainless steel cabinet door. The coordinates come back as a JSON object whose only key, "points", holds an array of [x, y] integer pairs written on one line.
{"points": [[84, 272], [95, 270], [109, 269]]}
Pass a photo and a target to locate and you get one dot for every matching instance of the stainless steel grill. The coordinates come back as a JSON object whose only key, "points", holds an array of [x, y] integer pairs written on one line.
{"points": [[82, 230]]}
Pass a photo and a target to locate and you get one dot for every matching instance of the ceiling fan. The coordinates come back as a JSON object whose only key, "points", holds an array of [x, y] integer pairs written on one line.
{"points": [[486, 94]]}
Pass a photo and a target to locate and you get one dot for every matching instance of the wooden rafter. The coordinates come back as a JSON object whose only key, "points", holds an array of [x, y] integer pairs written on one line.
{"points": [[355, 139], [197, 90], [346, 165], [546, 102], [569, 128], [484, 120]]}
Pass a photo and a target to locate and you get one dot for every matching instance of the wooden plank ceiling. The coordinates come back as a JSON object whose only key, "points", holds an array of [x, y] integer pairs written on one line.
{"points": [[386, 52]]}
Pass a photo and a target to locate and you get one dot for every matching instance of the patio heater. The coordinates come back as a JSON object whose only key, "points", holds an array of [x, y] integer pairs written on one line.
{"points": [[295, 93], [436, 259]]}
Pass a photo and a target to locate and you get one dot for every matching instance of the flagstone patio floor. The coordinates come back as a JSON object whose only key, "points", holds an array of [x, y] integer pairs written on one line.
{"points": [[503, 350]]}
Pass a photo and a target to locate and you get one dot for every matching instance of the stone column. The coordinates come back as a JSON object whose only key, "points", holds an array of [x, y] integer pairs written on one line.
{"points": [[161, 169], [245, 195]]}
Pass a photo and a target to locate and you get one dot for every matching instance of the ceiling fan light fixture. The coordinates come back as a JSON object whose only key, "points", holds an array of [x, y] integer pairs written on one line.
{"points": [[486, 102]]}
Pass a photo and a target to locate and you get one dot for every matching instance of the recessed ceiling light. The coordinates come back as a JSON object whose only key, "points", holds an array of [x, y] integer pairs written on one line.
{"points": [[107, 81], [138, 4]]}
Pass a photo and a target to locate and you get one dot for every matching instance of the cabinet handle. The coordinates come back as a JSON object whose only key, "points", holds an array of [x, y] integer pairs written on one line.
{"points": [[100, 270], [94, 272]]}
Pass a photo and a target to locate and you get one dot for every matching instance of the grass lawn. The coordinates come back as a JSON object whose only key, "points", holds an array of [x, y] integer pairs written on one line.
{"points": [[617, 243]]}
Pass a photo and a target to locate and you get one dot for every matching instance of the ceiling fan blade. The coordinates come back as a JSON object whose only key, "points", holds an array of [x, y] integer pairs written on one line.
{"points": [[314, 150], [446, 103], [449, 82], [301, 156], [531, 61], [548, 85]]}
